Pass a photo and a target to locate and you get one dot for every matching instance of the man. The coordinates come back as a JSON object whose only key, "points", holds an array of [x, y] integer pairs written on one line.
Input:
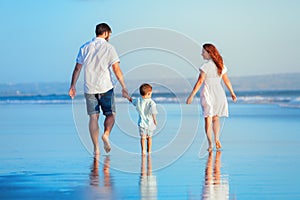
{"points": [[97, 57]]}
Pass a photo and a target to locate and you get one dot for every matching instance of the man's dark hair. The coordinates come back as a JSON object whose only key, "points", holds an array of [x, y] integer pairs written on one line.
{"points": [[102, 28]]}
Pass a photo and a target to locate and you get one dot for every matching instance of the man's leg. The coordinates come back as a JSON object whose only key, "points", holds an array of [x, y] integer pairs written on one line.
{"points": [[94, 132], [108, 125], [107, 103]]}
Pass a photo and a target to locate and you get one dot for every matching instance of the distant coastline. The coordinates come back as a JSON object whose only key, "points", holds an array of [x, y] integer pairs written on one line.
{"points": [[272, 82]]}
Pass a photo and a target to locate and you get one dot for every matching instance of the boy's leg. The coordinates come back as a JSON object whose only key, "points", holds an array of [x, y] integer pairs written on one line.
{"points": [[149, 144], [94, 132], [143, 145], [208, 123], [143, 138]]}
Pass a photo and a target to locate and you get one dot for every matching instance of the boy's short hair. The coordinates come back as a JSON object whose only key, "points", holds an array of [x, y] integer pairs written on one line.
{"points": [[145, 88], [102, 28]]}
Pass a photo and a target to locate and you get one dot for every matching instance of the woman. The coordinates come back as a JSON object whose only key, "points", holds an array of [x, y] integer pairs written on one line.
{"points": [[213, 99]]}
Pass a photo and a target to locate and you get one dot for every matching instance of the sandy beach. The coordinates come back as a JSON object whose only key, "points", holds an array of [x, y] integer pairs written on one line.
{"points": [[43, 157]]}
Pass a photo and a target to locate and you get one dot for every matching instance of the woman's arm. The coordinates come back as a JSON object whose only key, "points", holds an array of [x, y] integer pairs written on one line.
{"points": [[197, 86], [229, 86]]}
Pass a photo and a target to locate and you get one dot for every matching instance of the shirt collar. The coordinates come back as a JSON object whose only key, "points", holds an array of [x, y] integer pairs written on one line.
{"points": [[99, 39]]}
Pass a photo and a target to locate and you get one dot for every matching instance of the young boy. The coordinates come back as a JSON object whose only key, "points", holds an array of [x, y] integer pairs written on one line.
{"points": [[147, 111]]}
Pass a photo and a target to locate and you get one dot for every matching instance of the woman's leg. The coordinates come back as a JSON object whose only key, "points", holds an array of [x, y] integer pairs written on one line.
{"points": [[216, 129], [208, 124]]}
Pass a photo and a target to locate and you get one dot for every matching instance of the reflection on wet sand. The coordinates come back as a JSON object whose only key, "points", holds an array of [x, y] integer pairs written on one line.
{"points": [[148, 185], [101, 187], [216, 185]]}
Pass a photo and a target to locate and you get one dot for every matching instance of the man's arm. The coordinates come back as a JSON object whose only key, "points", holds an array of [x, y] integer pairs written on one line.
{"points": [[119, 75], [75, 76]]}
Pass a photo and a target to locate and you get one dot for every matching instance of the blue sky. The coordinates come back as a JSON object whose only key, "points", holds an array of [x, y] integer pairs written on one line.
{"points": [[40, 39]]}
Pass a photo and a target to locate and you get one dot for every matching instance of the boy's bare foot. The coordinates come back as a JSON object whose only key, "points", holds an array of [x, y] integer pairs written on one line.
{"points": [[106, 143], [218, 144], [143, 153]]}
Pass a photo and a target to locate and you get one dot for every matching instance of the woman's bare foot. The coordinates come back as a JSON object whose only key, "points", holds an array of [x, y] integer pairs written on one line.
{"points": [[218, 145], [106, 143], [96, 151], [210, 149]]}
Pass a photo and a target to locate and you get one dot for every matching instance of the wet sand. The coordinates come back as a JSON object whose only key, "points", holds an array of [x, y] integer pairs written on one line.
{"points": [[42, 157]]}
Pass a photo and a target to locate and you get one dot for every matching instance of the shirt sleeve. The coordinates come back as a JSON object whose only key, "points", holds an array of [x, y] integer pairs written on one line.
{"points": [[134, 101], [153, 108], [224, 70], [113, 56], [79, 58], [204, 67]]}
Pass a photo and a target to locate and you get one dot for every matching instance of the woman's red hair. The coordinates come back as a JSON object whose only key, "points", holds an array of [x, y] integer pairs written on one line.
{"points": [[215, 56]]}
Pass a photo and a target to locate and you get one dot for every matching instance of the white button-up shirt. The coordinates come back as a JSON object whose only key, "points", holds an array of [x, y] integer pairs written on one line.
{"points": [[97, 56]]}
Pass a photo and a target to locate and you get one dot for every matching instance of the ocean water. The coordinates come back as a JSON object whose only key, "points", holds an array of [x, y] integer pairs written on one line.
{"points": [[287, 98], [45, 154]]}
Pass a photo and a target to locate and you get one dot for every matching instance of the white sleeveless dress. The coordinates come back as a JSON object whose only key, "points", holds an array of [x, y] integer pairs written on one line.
{"points": [[212, 96]]}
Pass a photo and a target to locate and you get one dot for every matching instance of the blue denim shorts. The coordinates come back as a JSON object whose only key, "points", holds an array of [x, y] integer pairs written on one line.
{"points": [[104, 100]]}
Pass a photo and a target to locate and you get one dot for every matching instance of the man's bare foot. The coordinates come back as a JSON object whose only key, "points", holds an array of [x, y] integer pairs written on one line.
{"points": [[96, 157], [218, 144], [106, 143], [96, 151], [210, 149]]}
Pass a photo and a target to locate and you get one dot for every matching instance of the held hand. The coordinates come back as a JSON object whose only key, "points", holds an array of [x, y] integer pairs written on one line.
{"points": [[125, 93], [72, 92], [233, 96], [189, 99]]}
